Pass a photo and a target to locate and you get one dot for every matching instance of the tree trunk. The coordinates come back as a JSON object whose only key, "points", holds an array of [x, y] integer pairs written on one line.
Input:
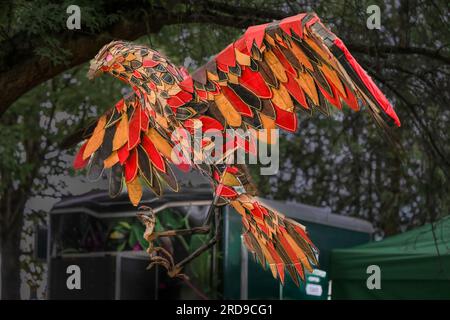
{"points": [[10, 267]]}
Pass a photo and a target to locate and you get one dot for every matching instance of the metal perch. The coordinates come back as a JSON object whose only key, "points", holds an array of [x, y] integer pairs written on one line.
{"points": [[160, 256]]}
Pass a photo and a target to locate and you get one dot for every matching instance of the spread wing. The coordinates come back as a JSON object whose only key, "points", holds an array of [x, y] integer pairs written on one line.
{"points": [[126, 140], [257, 82], [275, 69], [260, 82]]}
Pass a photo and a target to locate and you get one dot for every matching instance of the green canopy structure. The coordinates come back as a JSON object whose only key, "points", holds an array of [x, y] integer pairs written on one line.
{"points": [[413, 265]]}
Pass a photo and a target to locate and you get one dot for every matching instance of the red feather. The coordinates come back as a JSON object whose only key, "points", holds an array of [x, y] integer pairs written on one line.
{"points": [[285, 119], [210, 123], [137, 74], [153, 154], [131, 166], [175, 102], [240, 45], [202, 94], [333, 99], [120, 105], [256, 211], [284, 61], [371, 86], [278, 261], [123, 154], [238, 104], [227, 56], [184, 96], [263, 210], [291, 253], [179, 99], [78, 162], [225, 191], [134, 128], [187, 84], [303, 234], [254, 82], [148, 63], [183, 162], [232, 170], [255, 34], [222, 67], [350, 100], [295, 90], [144, 120], [294, 24]]}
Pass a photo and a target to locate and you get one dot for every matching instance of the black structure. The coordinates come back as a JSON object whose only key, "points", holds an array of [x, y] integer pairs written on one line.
{"points": [[77, 232]]}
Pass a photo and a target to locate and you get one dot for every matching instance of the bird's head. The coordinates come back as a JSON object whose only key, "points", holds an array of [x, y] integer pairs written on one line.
{"points": [[118, 58], [104, 59]]}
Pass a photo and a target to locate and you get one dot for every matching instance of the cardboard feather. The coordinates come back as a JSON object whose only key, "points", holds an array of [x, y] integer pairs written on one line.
{"points": [[258, 82]]}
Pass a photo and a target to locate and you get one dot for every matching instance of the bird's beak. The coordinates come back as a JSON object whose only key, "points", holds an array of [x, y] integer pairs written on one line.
{"points": [[94, 70]]}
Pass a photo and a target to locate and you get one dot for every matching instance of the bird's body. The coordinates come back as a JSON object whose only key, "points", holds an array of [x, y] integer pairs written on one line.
{"points": [[258, 82]]}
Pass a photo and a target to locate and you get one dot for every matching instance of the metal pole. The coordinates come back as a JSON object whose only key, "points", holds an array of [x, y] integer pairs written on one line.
{"points": [[280, 291], [244, 270], [213, 262], [118, 276]]}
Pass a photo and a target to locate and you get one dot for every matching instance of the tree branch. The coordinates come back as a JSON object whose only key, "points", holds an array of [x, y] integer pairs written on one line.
{"points": [[22, 68], [387, 49]]}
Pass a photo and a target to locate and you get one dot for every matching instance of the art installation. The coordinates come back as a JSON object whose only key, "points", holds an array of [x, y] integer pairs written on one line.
{"points": [[257, 84]]}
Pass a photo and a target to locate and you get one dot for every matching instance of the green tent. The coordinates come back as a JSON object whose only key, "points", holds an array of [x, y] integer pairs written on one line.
{"points": [[413, 265]]}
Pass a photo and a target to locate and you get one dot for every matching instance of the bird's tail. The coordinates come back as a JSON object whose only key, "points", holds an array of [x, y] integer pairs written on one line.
{"points": [[276, 241]]}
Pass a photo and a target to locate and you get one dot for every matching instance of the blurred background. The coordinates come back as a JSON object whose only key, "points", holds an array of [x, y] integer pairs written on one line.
{"points": [[364, 202]]}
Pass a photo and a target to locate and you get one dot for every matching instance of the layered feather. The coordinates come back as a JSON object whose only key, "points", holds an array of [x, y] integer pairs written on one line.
{"points": [[258, 82], [134, 151], [293, 63]]}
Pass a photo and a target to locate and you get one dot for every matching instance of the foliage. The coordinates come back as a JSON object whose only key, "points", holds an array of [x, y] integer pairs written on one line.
{"points": [[32, 164], [129, 236], [46, 18], [34, 269], [39, 121]]}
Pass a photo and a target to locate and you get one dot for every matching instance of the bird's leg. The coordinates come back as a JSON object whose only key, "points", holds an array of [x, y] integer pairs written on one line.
{"points": [[209, 214], [206, 224], [173, 270], [159, 261], [181, 232], [149, 220], [169, 258], [212, 241]]}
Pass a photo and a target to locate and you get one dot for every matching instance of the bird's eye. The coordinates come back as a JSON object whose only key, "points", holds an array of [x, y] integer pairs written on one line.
{"points": [[108, 57]]}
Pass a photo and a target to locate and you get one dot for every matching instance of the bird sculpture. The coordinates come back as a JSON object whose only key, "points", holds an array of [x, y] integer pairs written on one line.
{"points": [[258, 83]]}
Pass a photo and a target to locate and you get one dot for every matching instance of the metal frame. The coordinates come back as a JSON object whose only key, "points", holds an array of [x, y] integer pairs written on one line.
{"points": [[244, 270], [119, 255], [81, 209]]}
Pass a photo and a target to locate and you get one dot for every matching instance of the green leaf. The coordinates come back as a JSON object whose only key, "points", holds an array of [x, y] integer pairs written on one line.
{"points": [[121, 246], [116, 235], [138, 231], [125, 224], [172, 220], [132, 239]]}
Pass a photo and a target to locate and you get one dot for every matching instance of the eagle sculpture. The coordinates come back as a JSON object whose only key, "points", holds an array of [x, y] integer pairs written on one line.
{"points": [[260, 81]]}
